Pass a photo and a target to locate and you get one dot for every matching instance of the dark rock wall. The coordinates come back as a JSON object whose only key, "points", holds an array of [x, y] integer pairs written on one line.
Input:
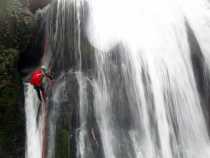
{"points": [[19, 39], [37, 4]]}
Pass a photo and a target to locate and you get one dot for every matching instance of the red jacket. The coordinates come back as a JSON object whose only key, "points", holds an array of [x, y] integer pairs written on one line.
{"points": [[36, 78]]}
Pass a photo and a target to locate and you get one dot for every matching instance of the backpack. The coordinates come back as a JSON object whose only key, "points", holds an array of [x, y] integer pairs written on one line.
{"points": [[36, 78]]}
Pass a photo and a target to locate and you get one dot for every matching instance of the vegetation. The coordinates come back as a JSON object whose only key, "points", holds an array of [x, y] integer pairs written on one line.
{"points": [[15, 33]]}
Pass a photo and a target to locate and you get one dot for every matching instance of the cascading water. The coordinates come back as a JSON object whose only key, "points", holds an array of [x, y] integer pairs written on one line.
{"points": [[34, 131], [126, 79]]}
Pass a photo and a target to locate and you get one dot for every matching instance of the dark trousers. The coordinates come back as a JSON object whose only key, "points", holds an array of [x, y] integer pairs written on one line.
{"points": [[40, 92]]}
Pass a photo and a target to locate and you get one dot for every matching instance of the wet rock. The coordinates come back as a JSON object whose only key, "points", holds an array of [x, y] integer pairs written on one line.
{"points": [[37, 4]]}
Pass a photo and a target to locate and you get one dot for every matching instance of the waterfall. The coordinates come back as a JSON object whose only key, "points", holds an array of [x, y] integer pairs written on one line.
{"points": [[132, 80], [34, 130]]}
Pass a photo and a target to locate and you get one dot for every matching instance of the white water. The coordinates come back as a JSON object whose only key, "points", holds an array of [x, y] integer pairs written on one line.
{"points": [[146, 103], [154, 34], [34, 133]]}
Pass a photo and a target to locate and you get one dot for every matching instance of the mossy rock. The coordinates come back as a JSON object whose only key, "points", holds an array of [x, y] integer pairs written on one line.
{"points": [[16, 29], [62, 144], [11, 116], [16, 26]]}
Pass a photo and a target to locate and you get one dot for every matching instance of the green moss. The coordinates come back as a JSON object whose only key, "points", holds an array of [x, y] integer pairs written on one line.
{"points": [[15, 25], [62, 144], [8, 7]]}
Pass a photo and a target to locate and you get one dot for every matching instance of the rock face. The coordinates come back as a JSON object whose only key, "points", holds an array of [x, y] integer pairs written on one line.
{"points": [[37, 4]]}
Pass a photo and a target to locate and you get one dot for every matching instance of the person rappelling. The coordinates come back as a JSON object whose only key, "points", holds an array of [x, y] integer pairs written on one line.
{"points": [[39, 79]]}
